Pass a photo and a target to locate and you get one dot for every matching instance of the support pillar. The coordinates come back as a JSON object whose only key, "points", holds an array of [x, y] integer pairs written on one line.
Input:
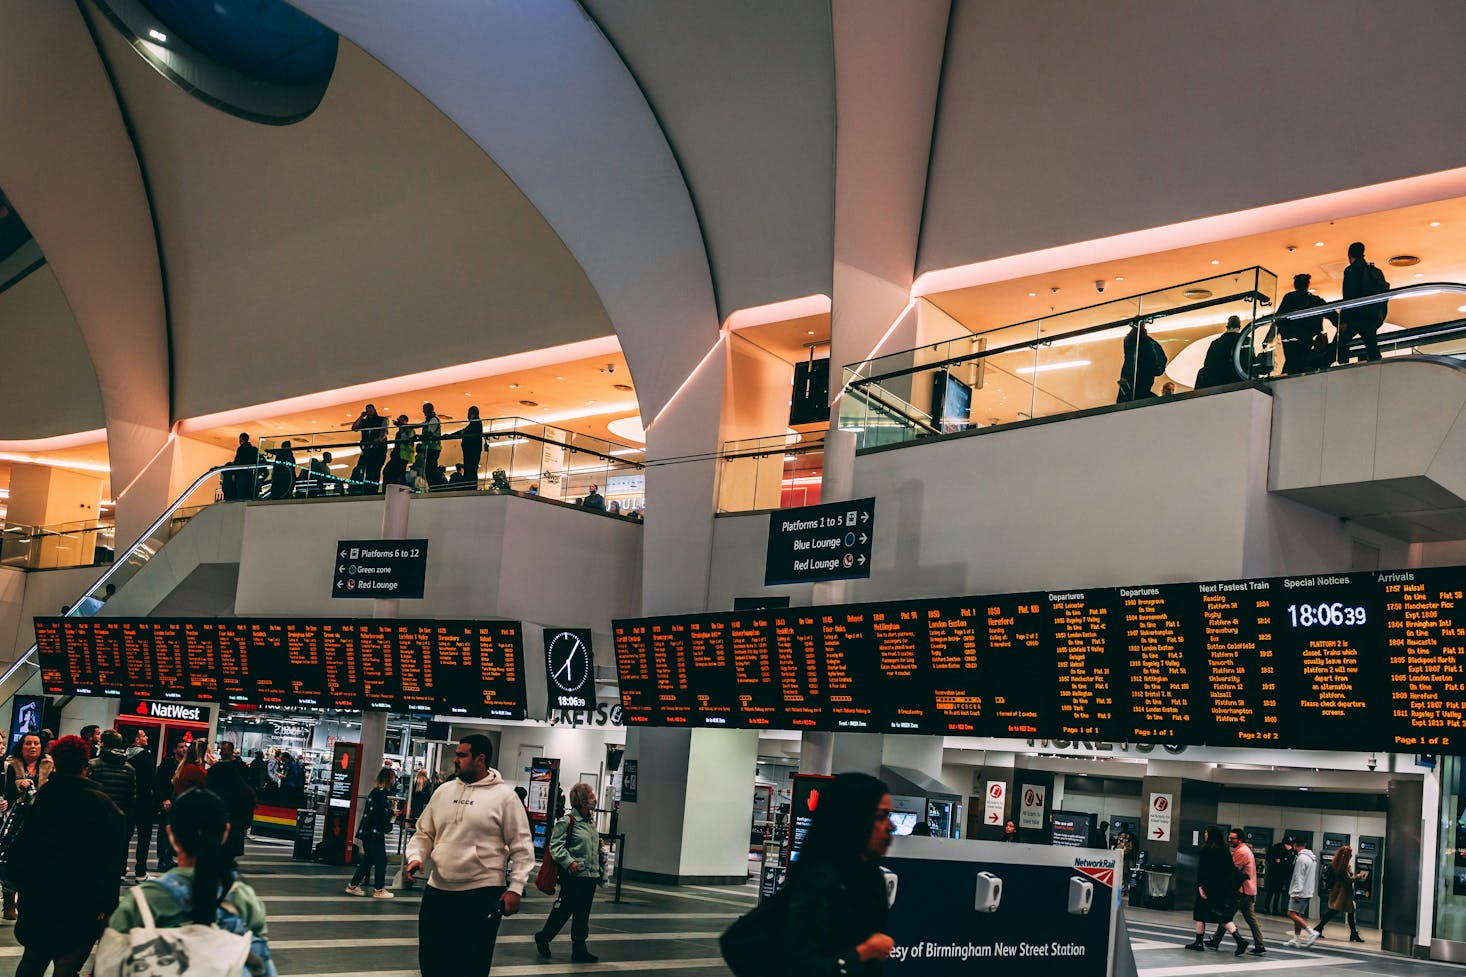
{"points": [[374, 724]]}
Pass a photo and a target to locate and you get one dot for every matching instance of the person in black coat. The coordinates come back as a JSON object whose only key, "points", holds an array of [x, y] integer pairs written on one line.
{"points": [[1220, 366], [1144, 361], [118, 780], [472, 440], [836, 914], [239, 485], [1216, 891], [1303, 336], [164, 780], [1360, 279], [66, 866], [229, 778]]}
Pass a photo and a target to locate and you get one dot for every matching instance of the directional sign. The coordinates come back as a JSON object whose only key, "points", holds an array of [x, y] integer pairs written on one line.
{"points": [[1031, 813], [382, 568], [570, 671], [992, 805], [820, 542], [1159, 828]]}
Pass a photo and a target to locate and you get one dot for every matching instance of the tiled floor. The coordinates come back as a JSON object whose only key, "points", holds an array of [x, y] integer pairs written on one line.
{"points": [[317, 930]]}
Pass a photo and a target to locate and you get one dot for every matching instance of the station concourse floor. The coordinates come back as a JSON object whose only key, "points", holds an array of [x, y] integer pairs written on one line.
{"points": [[316, 930]]}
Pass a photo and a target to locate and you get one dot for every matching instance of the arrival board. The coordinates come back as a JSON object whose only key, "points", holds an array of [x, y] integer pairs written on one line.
{"points": [[456, 668], [1352, 662]]}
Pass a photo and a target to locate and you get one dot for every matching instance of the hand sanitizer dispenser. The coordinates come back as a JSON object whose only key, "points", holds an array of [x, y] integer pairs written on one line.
{"points": [[1081, 895], [891, 879], [989, 892]]}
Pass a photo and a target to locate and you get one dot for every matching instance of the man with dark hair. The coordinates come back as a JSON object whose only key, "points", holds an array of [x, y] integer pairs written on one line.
{"points": [[373, 428], [141, 760], [229, 778], [93, 737], [64, 865], [118, 781], [477, 835], [1362, 279], [240, 485], [1303, 335]]}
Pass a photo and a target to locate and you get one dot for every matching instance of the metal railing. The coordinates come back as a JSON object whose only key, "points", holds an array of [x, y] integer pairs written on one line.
{"points": [[1120, 350], [513, 454], [777, 472], [80, 543]]}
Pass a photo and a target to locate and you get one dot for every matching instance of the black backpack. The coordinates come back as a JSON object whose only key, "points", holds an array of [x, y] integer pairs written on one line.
{"points": [[754, 945]]}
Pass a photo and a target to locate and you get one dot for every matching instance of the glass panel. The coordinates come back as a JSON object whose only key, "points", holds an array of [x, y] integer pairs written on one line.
{"points": [[1450, 896], [776, 472]]}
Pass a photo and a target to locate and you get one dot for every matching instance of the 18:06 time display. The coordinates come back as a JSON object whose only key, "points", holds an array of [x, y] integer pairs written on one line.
{"points": [[1324, 615]]}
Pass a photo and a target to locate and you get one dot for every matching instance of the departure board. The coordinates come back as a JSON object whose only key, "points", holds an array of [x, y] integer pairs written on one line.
{"points": [[1351, 662], [458, 668], [1425, 659], [1088, 664], [1246, 702]]}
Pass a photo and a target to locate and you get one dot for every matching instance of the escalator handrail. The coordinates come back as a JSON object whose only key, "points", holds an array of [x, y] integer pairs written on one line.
{"points": [[121, 560], [1249, 331]]}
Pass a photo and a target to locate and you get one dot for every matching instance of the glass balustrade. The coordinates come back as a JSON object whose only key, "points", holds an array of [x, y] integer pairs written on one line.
{"points": [[513, 455], [1053, 365], [779, 472]]}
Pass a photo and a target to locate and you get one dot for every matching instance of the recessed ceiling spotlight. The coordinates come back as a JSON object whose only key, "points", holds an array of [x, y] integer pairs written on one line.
{"points": [[1033, 295], [1318, 244], [514, 386], [1404, 260], [1119, 278], [1216, 261], [1420, 274], [590, 401], [1461, 308], [809, 332], [1435, 223], [528, 403], [559, 378]]}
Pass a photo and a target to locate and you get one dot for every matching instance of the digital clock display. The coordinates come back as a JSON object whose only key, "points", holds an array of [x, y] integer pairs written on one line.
{"points": [[1336, 614]]}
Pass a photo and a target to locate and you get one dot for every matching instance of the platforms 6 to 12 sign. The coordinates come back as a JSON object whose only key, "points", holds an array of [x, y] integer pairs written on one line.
{"points": [[391, 569], [820, 542]]}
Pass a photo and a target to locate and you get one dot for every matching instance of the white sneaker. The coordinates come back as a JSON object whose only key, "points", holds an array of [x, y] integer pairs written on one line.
{"points": [[382, 894], [1310, 938], [1292, 942], [354, 890]]}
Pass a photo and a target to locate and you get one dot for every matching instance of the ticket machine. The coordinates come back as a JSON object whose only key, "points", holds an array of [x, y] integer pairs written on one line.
{"points": [[1369, 860], [1259, 840], [1332, 842]]}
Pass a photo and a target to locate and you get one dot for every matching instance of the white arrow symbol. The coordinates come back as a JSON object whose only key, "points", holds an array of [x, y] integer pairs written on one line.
{"points": [[864, 538], [341, 568], [862, 559], [342, 554]]}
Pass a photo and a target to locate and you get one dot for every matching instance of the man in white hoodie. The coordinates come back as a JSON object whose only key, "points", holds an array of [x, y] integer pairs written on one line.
{"points": [[1300, 891], [476, 833]]}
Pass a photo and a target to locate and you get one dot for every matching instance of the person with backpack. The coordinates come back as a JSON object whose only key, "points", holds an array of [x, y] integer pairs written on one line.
{"points": [[575, 845], [118, 779], [202, 889], [1361, 279], [1144, 361], [376, 822], [65, 865]]}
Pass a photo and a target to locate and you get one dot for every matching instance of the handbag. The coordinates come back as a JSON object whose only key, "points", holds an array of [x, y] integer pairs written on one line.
{"points": [[10, 831], [194, 949], [753, 946], [549, 874]]}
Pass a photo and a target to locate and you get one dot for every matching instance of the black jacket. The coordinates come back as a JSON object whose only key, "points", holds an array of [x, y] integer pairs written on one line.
{"points": [[1360, 279], [117, 779], [164, 779], [1218, 876], [1219, 366], [830, 912], [230, 780], [1304, 327], [69, 857], [147, 784]]}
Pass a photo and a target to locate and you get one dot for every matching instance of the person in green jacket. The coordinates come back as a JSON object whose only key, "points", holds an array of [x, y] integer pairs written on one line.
{"points": [[204, 887], [575, 845]]}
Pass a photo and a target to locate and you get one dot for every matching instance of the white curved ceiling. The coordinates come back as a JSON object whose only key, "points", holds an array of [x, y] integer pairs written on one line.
{"points": [[372, 239], [746, 96], [49, 387]]}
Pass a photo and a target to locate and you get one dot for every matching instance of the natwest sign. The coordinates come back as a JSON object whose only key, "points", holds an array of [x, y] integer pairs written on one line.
{"points": [[178, 712]]}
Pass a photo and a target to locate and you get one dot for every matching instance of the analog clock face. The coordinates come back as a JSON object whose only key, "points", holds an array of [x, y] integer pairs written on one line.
{"points": [[569, 661]]}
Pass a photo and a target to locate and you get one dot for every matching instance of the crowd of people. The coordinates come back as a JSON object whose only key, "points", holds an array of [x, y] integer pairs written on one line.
{"points": [[1306, 345], [406, 453], [79, 802]]}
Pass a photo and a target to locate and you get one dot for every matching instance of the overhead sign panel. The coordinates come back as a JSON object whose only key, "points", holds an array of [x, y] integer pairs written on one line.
{"points": [[392, 569], [820, 542]]}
